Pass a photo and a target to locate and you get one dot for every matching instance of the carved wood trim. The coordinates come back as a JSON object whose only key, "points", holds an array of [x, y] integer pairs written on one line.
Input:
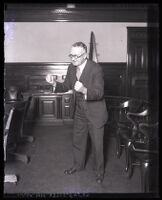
{"points": [[81, 13]]}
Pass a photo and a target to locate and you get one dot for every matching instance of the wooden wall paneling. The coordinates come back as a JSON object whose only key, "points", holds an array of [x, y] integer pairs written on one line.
{"points": [[31, 77], [154, 68], [140, 86], [115, 78]]}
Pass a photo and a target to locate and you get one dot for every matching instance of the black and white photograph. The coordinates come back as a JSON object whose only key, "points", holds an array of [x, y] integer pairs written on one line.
{"points": [[81, 100]]}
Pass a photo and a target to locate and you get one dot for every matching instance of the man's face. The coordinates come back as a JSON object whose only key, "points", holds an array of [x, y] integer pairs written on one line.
{"points": [[77, 55]]}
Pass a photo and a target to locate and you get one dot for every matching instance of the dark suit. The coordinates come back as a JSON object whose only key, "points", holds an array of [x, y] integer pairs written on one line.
{"points": [[90, 115]]}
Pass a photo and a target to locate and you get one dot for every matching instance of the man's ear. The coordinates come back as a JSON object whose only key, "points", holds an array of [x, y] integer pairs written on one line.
{"points": [[85, 56]]}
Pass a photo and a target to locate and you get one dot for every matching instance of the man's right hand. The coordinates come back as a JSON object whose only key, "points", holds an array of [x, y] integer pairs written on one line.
{"points": [[50, 79]]}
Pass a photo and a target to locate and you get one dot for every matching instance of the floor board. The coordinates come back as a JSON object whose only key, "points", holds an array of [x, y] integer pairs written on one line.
{"points": [[51, 153]]}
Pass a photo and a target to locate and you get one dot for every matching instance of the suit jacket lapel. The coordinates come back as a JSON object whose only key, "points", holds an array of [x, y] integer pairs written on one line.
{"points": [[73, 76], [85, 74]]}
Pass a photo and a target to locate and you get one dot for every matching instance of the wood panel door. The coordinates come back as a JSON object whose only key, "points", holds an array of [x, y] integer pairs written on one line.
{"points": [[137, 62], [142, 62]]}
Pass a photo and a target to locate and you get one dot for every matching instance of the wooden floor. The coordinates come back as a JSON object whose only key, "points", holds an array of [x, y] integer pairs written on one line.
{"points": [[51, 153]]}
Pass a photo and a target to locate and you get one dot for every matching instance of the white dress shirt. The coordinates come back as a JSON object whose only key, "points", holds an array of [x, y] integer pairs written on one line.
{"points": [[81, 68]]}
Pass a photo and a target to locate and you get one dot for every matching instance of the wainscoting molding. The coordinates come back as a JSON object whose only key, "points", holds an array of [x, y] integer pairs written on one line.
{"points": [[31, 76]]}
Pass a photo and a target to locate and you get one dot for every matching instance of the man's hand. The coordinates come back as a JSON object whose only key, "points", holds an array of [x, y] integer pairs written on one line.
{"points": [[50, 79], [79, 87]]}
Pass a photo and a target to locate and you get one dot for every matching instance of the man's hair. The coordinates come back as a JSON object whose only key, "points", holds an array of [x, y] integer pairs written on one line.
{"points": [[80, 44]]}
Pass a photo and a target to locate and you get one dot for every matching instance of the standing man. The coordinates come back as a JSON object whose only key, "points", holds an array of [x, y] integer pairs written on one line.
{"points": [[85, 78]]}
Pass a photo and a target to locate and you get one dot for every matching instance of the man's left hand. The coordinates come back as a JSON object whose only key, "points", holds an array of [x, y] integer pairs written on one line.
{"points": [[79, 87]]}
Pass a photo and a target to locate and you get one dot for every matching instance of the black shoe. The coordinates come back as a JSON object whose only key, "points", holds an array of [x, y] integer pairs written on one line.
{"points": [[70, 171], [99, 178]]}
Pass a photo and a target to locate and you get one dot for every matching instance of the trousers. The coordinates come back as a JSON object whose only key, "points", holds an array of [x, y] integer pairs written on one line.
{"points": [[82, 128]]}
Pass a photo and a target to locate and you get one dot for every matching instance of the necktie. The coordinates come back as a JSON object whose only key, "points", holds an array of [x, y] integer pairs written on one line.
{"points": [[78, 73]]}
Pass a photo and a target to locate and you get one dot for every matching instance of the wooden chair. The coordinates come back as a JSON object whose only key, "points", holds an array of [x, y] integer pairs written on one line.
{"points": [[134, 120], [142, 146], [124, 126], [143, 151], [11, 178], [14, 133], [13, 96], [25, 138], [122, 121]]}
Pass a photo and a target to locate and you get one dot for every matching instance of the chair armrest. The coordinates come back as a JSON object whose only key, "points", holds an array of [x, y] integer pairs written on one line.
{"points": [[135, 118], [141, 114]]}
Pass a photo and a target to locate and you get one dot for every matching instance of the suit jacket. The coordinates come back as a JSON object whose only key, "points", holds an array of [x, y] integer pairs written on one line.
{"points": [[92, 78]]}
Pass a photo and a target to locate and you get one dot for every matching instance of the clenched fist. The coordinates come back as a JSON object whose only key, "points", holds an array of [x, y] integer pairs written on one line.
{"points": [[50, 79], [79, 87]]}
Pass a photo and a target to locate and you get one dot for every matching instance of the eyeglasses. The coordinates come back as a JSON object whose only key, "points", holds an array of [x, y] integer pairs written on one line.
{"points": [[75, 56]]}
